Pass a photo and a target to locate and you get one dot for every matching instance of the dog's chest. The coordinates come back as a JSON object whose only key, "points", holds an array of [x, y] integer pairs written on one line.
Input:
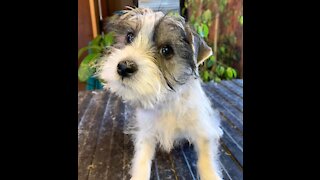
{"points": [[177, 120]]}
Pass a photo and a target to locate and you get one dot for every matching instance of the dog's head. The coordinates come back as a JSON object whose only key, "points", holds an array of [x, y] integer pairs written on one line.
{"points": [[153, 55]]}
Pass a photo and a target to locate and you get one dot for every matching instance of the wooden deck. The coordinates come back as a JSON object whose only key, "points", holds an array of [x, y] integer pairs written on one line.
{"points": [[105, 152]]}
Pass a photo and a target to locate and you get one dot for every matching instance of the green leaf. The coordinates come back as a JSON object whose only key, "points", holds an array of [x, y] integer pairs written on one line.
{"points": [[108, 39], [210, 62], [222, 5], [205, 30], [229, 73], [241, 20], [200, 31], [206, 76], [174, 14], [183, 10], [192, 19], [85, 70], [222, 49], [96, 41], [212, 58], [234, 72], [211, 75], [196, 25], [207, 15], [217, 79], [82, 50], [220, 70], [186, 4]]}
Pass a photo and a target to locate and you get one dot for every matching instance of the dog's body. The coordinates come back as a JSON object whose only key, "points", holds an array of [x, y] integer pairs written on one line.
{"points": [[153, 66]]}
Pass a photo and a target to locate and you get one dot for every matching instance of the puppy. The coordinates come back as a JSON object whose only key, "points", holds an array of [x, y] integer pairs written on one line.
{"points": [[153, 65]]}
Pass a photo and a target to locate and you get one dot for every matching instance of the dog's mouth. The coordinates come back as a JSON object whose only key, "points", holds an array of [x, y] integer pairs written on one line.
{"points": [[124, 84]]}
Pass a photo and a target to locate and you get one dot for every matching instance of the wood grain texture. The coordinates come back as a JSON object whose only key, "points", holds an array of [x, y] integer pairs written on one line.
{"points": [[105, 151]]}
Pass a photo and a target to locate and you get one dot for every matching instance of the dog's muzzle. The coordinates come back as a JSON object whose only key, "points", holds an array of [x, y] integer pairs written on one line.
{"points": [[126, 68]]}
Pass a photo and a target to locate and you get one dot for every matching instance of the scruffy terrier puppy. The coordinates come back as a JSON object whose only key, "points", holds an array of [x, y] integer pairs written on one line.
{"points": [[153, 65]]}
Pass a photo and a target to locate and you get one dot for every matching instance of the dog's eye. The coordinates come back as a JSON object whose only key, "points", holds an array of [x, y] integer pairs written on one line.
{"points": [[166, 51], [130, 37]]}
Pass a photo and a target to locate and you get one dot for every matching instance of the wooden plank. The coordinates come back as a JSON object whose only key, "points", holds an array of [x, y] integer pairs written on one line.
{"points": [[232, 87], [128, 151], [181, 166], [114, 149], [128, 148], [191, 158], [229, 96], [225, 104], [188, 153], [87, 133], [83, 106], [229, 116], [154, 175], [238, 82], [234, 132], [81, 95], [117, 161], [165, 165], [229, 165], [226, 175], [102, 156], [235, 150]]}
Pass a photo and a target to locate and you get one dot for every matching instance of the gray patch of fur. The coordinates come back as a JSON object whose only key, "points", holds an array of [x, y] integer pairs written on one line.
{"points": [[170, 31]]}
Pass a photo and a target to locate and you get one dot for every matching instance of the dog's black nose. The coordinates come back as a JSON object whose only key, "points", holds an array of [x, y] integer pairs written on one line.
{"points": [[127, 68]]}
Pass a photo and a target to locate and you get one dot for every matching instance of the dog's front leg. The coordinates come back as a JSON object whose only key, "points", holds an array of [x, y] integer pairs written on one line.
{"points": [[141, 164], [206, 167]]}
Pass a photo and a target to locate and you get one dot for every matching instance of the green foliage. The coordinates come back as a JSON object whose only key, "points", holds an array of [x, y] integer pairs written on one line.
{"points": [[207, 16], [211, 61], [217, 67], [240, 18], [174, 13], [220, 70], [222, 5], [85, 68], [108, 39], [227, 51], [202, 29], [90, 47], [95, 50]]}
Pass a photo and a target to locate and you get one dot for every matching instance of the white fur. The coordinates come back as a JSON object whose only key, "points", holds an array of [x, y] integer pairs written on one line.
{"points": [[186, 113], [147, 85], [162, 116]]}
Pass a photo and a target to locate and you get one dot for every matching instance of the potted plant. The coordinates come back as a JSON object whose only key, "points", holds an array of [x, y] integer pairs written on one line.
{"points": [[87, 68]]}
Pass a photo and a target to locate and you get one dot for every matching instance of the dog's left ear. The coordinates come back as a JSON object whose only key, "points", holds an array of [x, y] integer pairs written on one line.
{"points": [[200, 48]]}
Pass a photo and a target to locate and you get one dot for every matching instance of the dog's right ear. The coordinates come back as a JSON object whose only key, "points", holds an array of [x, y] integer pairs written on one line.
{"points": [[200, 48]]}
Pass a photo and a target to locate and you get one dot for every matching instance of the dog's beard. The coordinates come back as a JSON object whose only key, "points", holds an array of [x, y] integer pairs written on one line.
{"points": [[145, 88]]}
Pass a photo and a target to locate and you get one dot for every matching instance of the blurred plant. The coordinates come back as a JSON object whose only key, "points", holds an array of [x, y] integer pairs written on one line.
{"points": [[95, 49], [219, 65], [240, 18]]}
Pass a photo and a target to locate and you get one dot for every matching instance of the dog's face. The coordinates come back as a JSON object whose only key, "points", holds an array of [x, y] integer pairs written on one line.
{"points": [[153, 55]]}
